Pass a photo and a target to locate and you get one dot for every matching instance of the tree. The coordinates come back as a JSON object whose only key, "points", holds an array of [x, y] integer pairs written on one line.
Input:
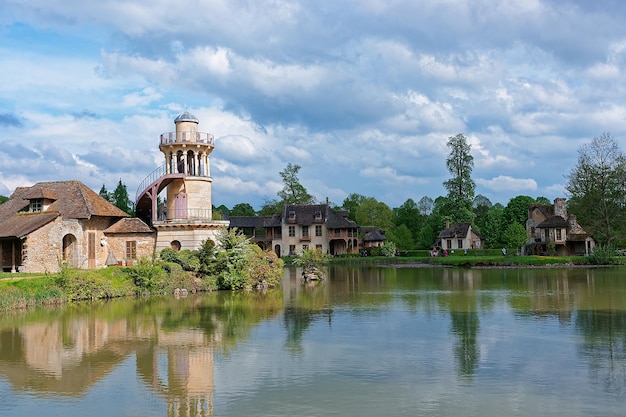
{"points": [[351, 203], [242, 209], [597, 186], [374, 213], [408, 214], [401, 236], [490, 226], [104, 193], [293, 192], [517, 209], [460, 163], [3, 199], [515, 236], [271, 207], [425, 205], [120, 198]]}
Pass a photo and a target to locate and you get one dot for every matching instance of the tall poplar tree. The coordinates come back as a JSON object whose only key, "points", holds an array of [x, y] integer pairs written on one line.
{"points": [[460, 187], [293, 192]]}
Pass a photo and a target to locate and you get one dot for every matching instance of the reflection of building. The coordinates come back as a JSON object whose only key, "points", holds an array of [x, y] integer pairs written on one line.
{"points": [[67, 357], [185, 219]]}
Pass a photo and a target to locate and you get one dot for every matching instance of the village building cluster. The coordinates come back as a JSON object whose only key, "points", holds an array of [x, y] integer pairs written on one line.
{"points": [[64, 222]]}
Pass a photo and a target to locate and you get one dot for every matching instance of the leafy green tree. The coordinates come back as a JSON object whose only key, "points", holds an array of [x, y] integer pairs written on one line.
{"points": [[490, 226], [425, 205], [543, 200], [597, 186], [351, 203], [408, 214], [401, 236], [271, 207], [516, 211], [460, 163], [427, 236], [515, 236], [374, 213], [242, 209], [120, 198], [222, 210], [481, 206], [293, 192], [3, 199], [104, 193]]}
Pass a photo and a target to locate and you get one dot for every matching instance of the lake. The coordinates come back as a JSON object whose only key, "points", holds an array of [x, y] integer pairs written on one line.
{"points": [[367, 341]]}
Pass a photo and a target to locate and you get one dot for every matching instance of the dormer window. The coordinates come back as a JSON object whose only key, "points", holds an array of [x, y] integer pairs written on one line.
{"points": [[36, 205], [318, 215], [292, 215]]}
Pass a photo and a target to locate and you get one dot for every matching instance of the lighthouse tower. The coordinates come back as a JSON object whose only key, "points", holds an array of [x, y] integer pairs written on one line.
{"points": [[184, 219]]}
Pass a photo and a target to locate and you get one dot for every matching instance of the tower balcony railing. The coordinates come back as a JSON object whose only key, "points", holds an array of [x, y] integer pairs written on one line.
{"points": [[188, 215], [187, 137]]}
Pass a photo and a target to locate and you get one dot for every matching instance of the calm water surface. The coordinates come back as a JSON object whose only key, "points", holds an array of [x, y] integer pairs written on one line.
{"points": [[368, 341]]}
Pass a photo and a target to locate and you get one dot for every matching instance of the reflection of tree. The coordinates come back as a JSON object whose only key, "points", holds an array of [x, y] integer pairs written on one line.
{"points": [[465, 326], [297, 321], [604, 347]]}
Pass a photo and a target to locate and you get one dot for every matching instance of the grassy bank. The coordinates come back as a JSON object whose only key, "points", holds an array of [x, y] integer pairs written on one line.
{"points": [[19, 290]]}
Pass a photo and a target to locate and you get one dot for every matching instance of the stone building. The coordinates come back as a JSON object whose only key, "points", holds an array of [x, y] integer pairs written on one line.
{"points": [[302, 226], [459, 236], [52, 223], [185, 219], [551, 225]]}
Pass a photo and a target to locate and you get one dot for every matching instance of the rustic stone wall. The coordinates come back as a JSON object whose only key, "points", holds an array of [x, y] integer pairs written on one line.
{"points": [[145, 245]]}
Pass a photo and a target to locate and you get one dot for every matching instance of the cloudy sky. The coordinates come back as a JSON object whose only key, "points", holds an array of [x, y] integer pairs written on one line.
{"points": [[362, 94]]}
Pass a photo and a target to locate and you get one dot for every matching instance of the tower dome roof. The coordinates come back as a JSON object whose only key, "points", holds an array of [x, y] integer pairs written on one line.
{"points": [[186, 117]]}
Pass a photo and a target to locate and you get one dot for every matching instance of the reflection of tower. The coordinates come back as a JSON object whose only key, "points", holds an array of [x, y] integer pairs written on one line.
{"points": [[185, 220], [190, 382]]}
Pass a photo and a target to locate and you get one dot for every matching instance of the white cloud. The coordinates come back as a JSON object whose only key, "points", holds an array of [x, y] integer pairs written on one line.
{"points": [[507, 183]]}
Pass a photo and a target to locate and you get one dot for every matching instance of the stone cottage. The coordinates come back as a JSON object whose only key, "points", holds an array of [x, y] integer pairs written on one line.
{"points": [[58, 222], [551, 227], [459, 236]]}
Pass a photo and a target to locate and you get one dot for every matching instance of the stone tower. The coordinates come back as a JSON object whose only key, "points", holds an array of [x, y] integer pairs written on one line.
{"points": [[184, 220]]}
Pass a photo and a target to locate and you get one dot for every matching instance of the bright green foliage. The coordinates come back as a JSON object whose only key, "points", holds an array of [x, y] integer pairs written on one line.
{"points": [[352, 203], [186, 258], [515, 236], [147, 275], [602, 255], [373, 213], [490, 226], [388, 249], [401, 236], [517, 209], [293, 192], [311, 259]]}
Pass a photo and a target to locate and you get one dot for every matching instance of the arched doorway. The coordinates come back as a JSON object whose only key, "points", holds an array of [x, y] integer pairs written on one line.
{"points": [[70, 250], [175, 245], [277, 250]]}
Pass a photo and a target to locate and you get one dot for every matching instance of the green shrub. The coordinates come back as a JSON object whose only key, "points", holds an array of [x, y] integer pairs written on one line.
{"points": [[147, 275], [602, 255]]}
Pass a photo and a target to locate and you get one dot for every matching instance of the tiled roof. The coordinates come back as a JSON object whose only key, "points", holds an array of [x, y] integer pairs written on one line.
{"points": [[374, 235], [248, 221], [21, 225], [129, 225], [73, 200], [554, 221], [455, 231], [308, 214]]}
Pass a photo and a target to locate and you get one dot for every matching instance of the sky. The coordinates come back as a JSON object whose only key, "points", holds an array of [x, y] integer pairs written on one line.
{"points": [[361, 94]]}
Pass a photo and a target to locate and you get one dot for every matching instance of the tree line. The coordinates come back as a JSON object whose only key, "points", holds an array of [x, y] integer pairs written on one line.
{"points": [[596, 186]]}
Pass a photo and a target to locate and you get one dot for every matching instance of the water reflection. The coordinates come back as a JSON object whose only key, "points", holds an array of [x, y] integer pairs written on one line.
{"points": [[176, 343]]}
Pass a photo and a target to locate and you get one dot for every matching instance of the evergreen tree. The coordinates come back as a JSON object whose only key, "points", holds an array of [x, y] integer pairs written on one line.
{"points": [[104, 193], [121, 200]]}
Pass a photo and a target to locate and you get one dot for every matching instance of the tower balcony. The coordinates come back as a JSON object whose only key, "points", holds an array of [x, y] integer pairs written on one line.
{"points": [[186, 137]]}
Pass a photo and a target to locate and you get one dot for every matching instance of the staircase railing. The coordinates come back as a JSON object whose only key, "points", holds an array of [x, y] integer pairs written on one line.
{"points": [[152, 177]]}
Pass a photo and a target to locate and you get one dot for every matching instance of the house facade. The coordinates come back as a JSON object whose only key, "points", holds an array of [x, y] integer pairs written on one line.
{"points": [[300, 227], [459, 236], [552, 226], [51, 223]]}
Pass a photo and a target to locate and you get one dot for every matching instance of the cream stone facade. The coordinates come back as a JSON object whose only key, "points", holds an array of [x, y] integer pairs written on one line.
{"points": [[185, 220], [64, 222]]}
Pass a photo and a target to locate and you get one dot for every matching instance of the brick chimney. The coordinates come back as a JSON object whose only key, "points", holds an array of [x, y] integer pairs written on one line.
{"points": [[559, 208], [447, 224]]}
